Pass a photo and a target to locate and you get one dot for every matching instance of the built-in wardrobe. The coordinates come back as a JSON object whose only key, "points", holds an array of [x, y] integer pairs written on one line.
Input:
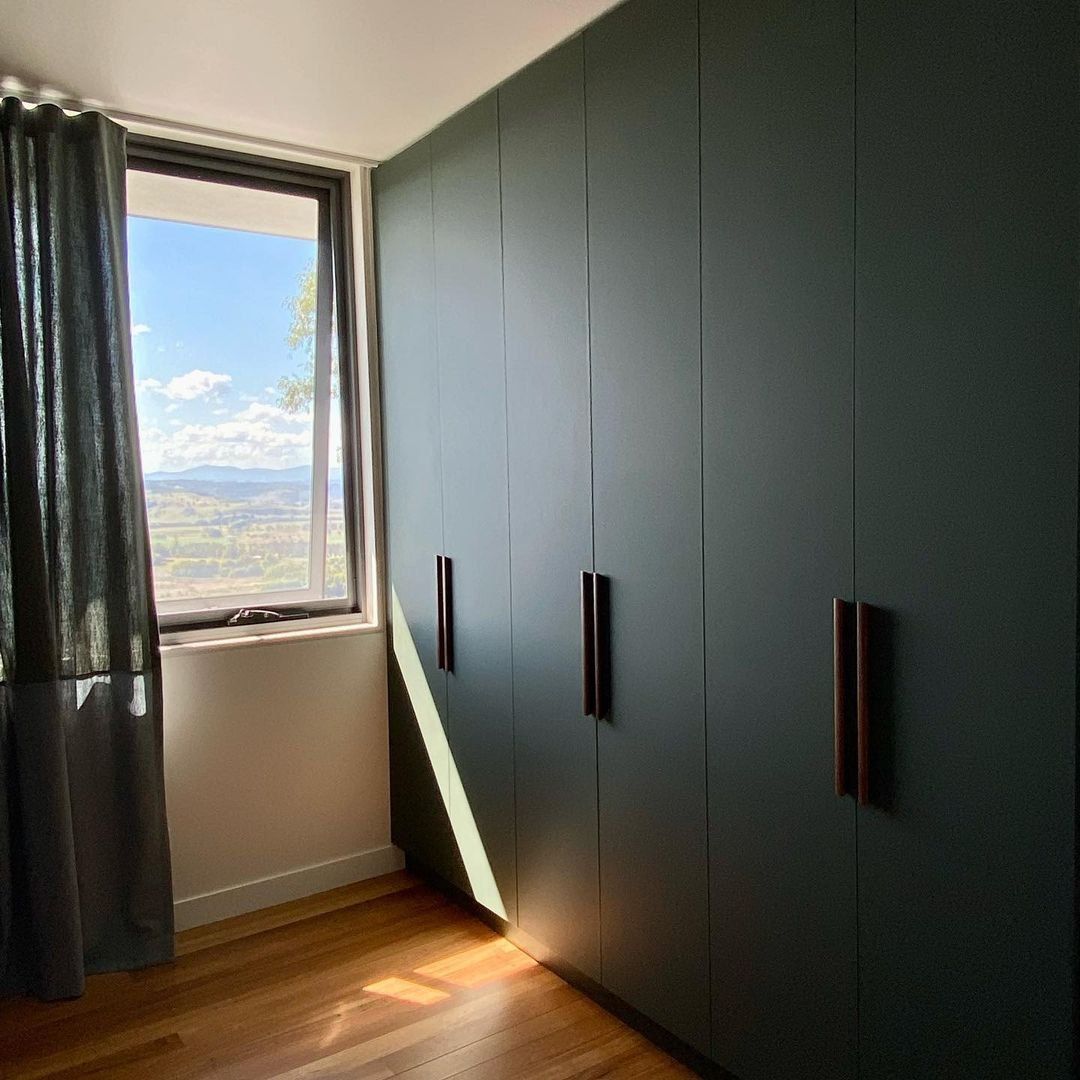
{"points": [[729, 363]]}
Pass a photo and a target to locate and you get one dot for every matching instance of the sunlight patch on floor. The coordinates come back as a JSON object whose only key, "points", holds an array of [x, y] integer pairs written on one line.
{"points": [[467, 969], [479, 965], [406, 990]]}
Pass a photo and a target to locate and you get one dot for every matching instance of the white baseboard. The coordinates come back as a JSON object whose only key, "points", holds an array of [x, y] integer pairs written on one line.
{"points": [[292, 885]]}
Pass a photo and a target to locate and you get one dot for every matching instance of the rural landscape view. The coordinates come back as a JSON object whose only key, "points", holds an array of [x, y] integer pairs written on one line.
{"points": [[223, 326], [222, 530]]}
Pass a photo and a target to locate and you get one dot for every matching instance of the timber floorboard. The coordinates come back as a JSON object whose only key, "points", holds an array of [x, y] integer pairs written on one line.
{"points": [[385, 978]]}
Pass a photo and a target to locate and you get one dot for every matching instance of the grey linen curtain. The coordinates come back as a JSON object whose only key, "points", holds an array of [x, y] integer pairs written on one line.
{"points": [[85, 882]]}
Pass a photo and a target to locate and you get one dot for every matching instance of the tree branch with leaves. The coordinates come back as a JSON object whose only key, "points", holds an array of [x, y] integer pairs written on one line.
{"points": [[296, 393]]}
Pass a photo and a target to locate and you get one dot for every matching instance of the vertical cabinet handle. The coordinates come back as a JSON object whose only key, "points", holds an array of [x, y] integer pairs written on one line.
{"points": [[446, 594], [601, 646], [588, 663], [862, 699], [440, 640], [839, 696]]}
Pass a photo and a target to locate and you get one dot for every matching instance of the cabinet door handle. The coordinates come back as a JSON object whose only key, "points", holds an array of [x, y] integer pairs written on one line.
{"points": [[601, 646], [862, 699], [440, 640], [588, 631], [839, 696], [446, 591]]}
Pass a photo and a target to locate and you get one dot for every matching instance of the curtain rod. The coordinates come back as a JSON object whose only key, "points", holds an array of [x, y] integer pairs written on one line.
{"points": [[138, 120]]}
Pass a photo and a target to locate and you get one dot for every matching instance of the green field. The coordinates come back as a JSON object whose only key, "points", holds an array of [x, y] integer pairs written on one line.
{"points": [[220, 539]]}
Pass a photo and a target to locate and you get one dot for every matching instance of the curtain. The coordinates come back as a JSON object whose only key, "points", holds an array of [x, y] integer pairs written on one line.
{"points": [[85, 881]]}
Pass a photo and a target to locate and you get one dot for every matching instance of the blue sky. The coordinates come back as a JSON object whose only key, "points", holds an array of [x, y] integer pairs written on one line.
{"points": [[209, 324]]}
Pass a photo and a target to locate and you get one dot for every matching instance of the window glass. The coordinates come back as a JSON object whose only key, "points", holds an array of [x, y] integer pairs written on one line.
{"points": [[239, 404]]}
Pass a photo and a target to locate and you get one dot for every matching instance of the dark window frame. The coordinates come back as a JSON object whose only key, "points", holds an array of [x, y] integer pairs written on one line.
{"points": [[331, 188]]}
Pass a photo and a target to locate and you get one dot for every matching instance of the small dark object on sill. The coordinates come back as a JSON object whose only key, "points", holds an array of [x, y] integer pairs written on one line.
{"points": [[262, 615]]}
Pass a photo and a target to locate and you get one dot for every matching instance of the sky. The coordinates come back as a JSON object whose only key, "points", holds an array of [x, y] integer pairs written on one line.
{"points": [[209, 322]]}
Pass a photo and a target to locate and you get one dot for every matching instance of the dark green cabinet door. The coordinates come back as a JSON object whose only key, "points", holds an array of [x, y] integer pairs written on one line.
{"points": [[641, 90], [965, 535], [469, 329], [542, 130], [419, 769], [777, 260]]}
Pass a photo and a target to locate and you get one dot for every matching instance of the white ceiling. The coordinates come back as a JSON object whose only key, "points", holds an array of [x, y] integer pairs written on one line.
{"points": [[359, 77]]}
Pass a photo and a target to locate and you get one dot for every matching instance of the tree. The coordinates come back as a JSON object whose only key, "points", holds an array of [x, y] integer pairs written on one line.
{"points": [[297, 392]]}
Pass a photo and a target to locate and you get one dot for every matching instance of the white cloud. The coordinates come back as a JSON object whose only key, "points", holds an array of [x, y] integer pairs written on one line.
{"points": [[195, 383], [247, 444], [257, 410], [258, 436], [187, 387], [139, 328], [151, 443]]}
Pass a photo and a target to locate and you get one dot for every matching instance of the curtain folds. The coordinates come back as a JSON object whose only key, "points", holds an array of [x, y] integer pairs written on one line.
{"points": [[85, 882]]}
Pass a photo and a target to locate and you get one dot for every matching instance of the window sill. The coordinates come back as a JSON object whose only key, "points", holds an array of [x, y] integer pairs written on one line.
{"points": [[174, 642]]}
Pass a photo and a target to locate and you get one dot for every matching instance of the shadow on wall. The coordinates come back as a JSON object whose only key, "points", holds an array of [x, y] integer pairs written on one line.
{"points": [[431, 819]]}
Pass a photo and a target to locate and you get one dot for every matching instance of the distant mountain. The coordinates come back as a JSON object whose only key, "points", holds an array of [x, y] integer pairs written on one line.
{"points": [[233, 474]]}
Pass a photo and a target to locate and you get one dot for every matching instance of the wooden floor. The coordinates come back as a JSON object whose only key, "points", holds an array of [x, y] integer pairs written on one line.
{"points": [[381, 979]]}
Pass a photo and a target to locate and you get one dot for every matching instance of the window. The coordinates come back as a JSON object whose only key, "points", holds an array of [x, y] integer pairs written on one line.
{"points": [[245, 384]]}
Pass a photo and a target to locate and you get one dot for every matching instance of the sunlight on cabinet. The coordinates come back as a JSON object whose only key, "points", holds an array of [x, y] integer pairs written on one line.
{"points": [[454, 797]]}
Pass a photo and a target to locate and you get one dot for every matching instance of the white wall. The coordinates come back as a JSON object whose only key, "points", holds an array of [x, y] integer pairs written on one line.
{"points": [[276, 768]]}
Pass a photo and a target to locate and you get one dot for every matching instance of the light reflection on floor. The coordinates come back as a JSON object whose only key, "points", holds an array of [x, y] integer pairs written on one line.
{"points": [[465, 970], [406, 990]]}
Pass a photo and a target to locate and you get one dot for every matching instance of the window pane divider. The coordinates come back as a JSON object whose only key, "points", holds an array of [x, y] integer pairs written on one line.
{"points": [[321, 404], [231, 602]]}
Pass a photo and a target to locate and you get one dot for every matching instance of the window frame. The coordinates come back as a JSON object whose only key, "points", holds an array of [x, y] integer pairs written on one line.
{"points": [[335, 302]]}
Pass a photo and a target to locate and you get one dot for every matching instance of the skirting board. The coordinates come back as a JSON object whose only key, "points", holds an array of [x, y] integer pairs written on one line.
{"points": [[279, 889]]}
